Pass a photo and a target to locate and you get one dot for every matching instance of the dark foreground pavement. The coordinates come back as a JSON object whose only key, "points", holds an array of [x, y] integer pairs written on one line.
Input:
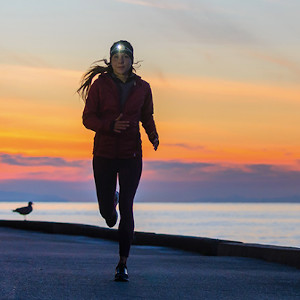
{"points": [[50, 266]]}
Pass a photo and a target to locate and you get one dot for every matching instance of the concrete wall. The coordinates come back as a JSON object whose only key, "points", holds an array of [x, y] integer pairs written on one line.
{"points": [[283, 255]]}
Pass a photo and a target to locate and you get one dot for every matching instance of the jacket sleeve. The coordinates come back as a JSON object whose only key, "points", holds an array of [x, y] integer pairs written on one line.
{"points": [[147, 117], [90, 117]]}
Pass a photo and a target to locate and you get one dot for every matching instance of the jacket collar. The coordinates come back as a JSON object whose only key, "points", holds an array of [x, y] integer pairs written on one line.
{"points": [[109, 76], [131, 77]]}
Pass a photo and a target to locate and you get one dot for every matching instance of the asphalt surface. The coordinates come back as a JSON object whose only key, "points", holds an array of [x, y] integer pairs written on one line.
{"points": [[51, 266]]}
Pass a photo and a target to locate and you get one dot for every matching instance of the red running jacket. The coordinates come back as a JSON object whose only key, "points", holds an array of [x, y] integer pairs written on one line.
{"points": [[103, 106]]}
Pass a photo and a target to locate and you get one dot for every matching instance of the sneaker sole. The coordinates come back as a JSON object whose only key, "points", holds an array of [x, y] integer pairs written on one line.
{"points": [[121, 278]]}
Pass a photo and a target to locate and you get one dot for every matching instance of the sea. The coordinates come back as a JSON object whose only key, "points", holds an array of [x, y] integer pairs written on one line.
{"points": [[263, 223]]}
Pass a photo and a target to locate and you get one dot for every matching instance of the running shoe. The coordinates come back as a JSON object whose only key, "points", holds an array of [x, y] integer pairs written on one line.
{"points": [[116, 199], [111, 222], [121, 273]]}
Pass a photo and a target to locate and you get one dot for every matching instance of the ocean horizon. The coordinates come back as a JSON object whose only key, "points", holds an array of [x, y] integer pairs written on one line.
{"points": [[263, 223], [47, 199]]}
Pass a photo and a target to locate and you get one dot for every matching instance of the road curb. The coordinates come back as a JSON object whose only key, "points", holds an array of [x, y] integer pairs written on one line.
{"points": [[205, 246]]}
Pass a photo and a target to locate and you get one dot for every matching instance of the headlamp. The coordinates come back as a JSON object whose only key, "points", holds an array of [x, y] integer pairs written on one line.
{"points": [[122, 47]]}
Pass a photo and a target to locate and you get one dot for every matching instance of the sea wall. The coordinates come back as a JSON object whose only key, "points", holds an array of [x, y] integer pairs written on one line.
{"points": [[205, 246]]}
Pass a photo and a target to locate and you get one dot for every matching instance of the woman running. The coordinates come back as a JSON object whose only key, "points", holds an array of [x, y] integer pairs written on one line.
{"points": [[115, 103]]}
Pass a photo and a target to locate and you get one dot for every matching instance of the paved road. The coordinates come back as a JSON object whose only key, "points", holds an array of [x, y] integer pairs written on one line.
{"points": [[49, 266]]}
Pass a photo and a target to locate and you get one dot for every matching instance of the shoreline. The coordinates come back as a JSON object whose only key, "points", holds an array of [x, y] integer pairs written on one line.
{"points": [[205, 246]]}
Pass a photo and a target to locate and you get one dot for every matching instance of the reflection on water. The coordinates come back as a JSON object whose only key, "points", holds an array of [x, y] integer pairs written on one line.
{"points": [[272, 223]]}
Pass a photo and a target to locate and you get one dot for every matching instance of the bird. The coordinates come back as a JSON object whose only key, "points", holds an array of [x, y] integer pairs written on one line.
{"points": [[24, 210]]}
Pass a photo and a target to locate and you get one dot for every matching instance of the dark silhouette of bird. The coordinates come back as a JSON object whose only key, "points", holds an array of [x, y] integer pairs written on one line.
{"points": [[24, 210]]}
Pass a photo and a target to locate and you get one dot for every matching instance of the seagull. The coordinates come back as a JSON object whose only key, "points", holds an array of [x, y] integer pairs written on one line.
{"points": [[24, 210]]}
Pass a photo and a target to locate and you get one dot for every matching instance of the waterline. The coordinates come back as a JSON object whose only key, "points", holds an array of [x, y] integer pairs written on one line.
{"points": [[271, 223]]}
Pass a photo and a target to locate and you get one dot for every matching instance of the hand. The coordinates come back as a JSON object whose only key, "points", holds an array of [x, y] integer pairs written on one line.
{"points": [[155, 144], [120, 126]]}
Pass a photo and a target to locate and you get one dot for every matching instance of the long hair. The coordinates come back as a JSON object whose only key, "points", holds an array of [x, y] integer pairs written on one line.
{"points": [[95, 69], [87, 78]]}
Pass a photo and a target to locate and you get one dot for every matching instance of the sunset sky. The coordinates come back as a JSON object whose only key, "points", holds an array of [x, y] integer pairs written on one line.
{"points": [[225, 77]]}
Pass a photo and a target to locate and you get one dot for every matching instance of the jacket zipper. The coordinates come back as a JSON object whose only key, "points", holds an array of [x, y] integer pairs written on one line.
{"points": [[128, 97], [121, 110]]}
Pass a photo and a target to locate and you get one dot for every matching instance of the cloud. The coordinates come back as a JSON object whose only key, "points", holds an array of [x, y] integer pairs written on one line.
{"points": [[21, 167], [200, 181], [186, 146], [236, 90], [174, 181], [7, 196], [46, 178], [205, 172], [22, 58], [204, 22], [276, 1], [21, 160], [46, 190], [161, 4], [176, 165], [279, 60]]}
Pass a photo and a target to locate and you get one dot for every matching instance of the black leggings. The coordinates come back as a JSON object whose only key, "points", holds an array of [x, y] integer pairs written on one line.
{"points": [[129, 172]]}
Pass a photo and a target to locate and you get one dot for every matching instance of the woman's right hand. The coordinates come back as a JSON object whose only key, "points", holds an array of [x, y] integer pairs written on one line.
{"points": [[120, 126]]}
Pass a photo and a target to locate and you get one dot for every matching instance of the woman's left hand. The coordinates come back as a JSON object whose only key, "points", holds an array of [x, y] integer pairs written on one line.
{"points": [[155, 144]]}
